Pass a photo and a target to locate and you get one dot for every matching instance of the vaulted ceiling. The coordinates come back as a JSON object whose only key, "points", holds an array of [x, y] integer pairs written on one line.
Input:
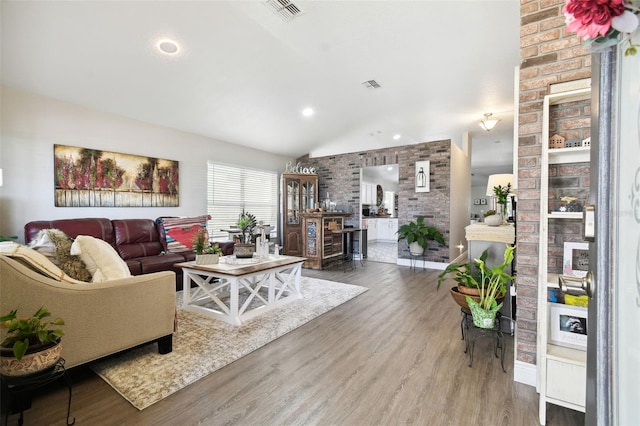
{"points": [[243, 73]]}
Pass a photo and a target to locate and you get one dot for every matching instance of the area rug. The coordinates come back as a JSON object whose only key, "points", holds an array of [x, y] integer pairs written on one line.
{"points": [[202, 345]]}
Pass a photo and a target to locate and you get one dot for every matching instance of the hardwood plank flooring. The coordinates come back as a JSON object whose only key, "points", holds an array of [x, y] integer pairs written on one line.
{"points": [[391, 356]]}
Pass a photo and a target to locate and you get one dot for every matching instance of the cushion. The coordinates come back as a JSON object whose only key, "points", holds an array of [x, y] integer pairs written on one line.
{"points": [[181, 231], [56, 245], [35, 261], [101, 259]]}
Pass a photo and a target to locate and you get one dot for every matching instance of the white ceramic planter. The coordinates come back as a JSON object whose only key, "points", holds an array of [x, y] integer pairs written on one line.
{"points": [[416, 249], [207, 259], [493, 220]]}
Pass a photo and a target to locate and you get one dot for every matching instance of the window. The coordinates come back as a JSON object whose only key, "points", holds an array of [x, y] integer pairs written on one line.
{"points": [[232, 188]]}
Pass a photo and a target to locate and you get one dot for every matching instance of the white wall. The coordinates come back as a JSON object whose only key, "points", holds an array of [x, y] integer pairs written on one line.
{"points": [[32, 124], [460, 195], [478, 193]]}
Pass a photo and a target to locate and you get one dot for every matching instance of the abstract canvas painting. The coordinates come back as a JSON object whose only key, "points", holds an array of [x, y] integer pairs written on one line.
{"points": [[86, 177]]}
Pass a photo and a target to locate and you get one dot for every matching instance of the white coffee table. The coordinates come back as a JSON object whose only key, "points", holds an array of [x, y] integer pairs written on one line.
{"points": [[263, 284]]}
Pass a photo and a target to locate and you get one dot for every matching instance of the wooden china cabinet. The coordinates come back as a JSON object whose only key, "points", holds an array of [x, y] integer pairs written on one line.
{"points": [[299, 192]]}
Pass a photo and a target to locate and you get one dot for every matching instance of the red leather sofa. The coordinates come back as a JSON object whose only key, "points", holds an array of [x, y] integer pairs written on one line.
{"points": [[140, 242]]}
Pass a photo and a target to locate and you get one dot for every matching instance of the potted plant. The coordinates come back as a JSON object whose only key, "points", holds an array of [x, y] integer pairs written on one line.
{"points": [[491, 218], [501, 193], [31, 344], [473, 278], [247, 224], [418, 235], [206, 253], [493, 284]]}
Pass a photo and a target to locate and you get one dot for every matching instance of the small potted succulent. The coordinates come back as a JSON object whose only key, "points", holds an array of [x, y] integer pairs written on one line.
{"points": [[31, 344], [491, 218], [206, 252]]}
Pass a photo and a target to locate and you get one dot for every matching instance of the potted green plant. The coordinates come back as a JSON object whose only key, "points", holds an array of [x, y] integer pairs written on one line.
{"points": [[206, 252], [472, 277], [493, 284], [502, 193], [247, 224], [418, 234], [31, 344]]}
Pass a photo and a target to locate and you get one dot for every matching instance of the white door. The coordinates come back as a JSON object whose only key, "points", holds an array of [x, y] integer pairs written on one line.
{"points": [[613, 354], [626, 291]]}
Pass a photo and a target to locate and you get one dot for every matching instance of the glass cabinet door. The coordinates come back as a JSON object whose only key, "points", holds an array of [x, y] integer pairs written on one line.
{"points": [[308, 195], [293, 202]]}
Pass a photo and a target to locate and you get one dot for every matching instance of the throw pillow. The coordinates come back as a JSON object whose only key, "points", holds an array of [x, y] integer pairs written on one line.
{"points": [[56, 245], [181, 231], [102, 260], [35, 261]]}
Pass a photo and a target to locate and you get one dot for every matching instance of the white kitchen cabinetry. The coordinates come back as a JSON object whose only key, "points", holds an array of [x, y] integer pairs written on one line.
{"points": [[372, 229], [383, 229], [368, 193], [561, 370], [387, 229]]}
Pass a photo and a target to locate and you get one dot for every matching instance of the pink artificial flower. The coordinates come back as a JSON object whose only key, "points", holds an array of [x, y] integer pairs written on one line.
{"points": [[591, 18]]}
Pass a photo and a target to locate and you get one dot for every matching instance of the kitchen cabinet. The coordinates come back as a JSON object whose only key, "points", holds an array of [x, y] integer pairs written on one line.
{"points": [[299, 192], [368, 193], [382, 229], [561, 370], [372, 229]]}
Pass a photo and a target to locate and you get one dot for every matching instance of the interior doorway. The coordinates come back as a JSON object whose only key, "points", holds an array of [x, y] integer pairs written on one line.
{"points": [[379, 211]]}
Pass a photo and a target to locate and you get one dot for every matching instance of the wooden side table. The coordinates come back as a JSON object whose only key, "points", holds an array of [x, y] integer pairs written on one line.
{"points": [[17, 390]]}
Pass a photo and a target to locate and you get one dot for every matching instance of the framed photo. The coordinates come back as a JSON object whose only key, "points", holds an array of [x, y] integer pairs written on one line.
{"points": [[575, 262], [483, 201], [422, 176], [476, 201], [568, 326]]}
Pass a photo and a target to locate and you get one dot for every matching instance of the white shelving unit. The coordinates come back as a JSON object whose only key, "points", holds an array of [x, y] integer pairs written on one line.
{"points": [[561, 370]]}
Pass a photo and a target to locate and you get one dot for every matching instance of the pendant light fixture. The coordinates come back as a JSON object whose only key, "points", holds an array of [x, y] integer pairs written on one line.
{"points": [[488, 123]]}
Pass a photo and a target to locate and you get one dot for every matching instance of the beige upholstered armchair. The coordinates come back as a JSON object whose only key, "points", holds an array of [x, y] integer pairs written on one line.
{"points": [[100, 318]]}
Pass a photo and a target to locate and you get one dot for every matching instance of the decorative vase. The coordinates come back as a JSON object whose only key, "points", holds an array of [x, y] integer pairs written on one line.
{"points": [[481, 317], [207, 259], [36, 359], [416, 249], [243, 251], [493, 220]]}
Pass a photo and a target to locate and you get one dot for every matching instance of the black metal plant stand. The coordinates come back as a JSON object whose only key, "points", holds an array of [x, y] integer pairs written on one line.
{"points": [[471, 333], [17, 390]]}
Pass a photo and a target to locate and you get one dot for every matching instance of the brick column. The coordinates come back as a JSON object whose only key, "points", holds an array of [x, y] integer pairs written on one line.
{"points": [[548, 55]]}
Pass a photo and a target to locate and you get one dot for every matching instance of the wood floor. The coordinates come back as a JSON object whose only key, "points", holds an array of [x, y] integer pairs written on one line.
{"points": [[392, 356]]}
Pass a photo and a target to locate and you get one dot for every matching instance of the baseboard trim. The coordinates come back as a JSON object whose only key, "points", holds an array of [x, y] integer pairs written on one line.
{"points": [[423, 264], [524, 372]]}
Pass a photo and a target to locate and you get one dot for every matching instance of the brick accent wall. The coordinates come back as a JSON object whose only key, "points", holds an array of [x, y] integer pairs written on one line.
{"points": [[339, 175], [548, 55]]}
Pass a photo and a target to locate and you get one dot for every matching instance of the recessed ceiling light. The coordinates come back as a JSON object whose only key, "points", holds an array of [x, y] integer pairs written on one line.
{"points": [[396, 137], [168, 47], [308, 112]]}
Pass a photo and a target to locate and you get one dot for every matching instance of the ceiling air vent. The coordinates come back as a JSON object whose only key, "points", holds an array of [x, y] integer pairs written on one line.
{"points": [[285, 9], [371, 84]]}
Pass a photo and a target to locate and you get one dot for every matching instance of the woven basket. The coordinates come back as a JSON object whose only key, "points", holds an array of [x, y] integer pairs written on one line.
{"points": [[481, 317]]}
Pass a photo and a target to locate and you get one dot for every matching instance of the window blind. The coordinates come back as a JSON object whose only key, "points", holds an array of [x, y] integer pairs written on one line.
{"points": [[232, 188]]}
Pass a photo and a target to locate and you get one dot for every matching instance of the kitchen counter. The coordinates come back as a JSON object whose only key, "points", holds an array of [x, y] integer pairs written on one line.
{"points": [[379, 217]]}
